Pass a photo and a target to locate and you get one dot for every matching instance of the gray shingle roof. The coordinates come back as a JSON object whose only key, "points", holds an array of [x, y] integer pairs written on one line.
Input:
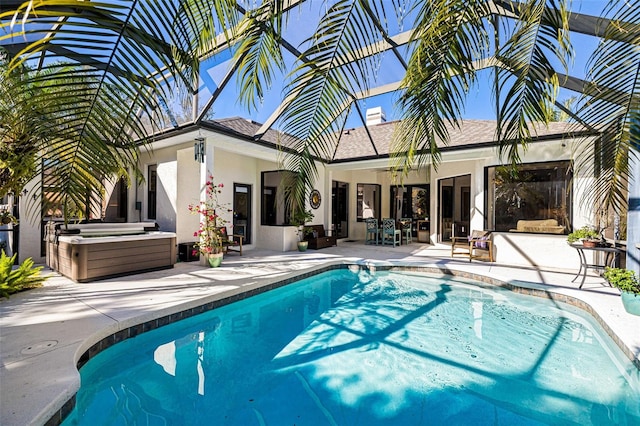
{"points": [[355, 144]]}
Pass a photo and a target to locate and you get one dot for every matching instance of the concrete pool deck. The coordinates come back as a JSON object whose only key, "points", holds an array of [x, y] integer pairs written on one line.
{"points": [[43, 332]]}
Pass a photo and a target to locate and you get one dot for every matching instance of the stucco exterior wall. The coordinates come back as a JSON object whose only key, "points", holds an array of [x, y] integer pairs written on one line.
{"points": [[535, 250], [180, 183], [188, 182]]}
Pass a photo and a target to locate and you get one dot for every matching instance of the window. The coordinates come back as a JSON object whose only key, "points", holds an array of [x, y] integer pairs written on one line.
{"points": [[116, 207], [410, 201], [152, 192], [274, 210], [534, 192], [368, 202]]}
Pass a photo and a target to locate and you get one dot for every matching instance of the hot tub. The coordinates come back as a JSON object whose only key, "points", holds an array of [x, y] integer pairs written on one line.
{"points": [[93, 251]]}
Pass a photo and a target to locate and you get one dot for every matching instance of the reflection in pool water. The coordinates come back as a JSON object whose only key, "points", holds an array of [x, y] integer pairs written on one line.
{"points": [[355, 348]]}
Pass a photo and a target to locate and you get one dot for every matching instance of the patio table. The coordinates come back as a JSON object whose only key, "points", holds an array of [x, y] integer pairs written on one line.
{"points": [[610, 257]]}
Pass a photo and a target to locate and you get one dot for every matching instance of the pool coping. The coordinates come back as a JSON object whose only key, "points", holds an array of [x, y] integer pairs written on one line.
{"points": [[134, 326]]}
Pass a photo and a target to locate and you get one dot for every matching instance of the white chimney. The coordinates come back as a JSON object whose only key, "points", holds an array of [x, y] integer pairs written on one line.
{"points": [[375, 116]]}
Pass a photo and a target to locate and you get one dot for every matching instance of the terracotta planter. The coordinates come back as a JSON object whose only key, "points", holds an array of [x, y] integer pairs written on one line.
{"points": [[631, 302], [589, 243], [215, 259]]}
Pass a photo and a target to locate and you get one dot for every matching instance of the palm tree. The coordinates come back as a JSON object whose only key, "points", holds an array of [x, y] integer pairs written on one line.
{"points": [[99, 81], [20, 131], [35, 134], [133, 70], [613, 102]]}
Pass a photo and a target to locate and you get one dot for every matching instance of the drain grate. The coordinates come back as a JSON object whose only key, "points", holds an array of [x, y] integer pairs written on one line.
{"points": [[39, 348]]}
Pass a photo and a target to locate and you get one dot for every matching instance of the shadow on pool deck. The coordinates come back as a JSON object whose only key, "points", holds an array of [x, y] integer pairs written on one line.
{"points": [[45, 331]]}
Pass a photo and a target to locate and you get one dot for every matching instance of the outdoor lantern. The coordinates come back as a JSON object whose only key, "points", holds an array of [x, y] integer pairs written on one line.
{"points": [[198, 149]]}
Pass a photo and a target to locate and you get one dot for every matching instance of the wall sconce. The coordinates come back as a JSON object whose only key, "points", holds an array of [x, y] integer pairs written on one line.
{"points": [[198, 149]]}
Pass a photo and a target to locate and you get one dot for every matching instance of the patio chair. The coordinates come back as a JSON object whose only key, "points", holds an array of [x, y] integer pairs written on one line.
{"points": [[231, 242], [405, 225], [478, 245], [390, 234], [373, 232]]}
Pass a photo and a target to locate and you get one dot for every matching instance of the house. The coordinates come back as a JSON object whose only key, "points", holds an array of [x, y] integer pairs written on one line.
{"points": [[469, 190]]}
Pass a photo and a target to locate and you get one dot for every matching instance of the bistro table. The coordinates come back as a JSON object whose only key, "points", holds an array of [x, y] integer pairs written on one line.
{"points": [[610, 256]]}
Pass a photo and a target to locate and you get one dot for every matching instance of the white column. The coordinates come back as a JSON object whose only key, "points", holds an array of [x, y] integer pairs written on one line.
{"points": [[206, 168], [633, 216]]}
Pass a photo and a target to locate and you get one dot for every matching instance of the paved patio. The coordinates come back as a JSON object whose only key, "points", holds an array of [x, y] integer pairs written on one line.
{"points": [[45, 331]]}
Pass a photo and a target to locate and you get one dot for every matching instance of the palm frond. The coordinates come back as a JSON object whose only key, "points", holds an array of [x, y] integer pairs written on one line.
{"points": [[106, 69], [20, 123], [613, 106], [259, 52], [527, 81], [449, 37], [324, 80]]}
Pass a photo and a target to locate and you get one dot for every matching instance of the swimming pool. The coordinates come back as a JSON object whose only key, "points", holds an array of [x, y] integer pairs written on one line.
{"points": [[351, 347]]}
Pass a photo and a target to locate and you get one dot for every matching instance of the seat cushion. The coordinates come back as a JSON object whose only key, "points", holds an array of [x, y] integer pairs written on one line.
{"points": [[480, 242], [541, 226]]}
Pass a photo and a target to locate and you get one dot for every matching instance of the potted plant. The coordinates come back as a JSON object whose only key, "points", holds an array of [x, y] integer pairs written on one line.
{"points": [[7, 218], [587, 234], [299, 220], [210, 236], [627, 282]]}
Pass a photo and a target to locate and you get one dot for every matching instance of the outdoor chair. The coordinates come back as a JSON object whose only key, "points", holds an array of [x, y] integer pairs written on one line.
{"points": [[390, 234], [231, 242], [405, 225], [373, 232], [478, 245]]}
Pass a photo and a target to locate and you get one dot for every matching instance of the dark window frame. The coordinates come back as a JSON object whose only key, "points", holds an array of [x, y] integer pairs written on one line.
{"points": [[152, 191], [407, 201], [238, 221], [377, 213], [270, 217], [564, 214]]}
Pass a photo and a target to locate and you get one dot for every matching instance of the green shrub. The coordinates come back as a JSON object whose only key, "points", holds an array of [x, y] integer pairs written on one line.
{"points": [[24, 277], [624, 279]]}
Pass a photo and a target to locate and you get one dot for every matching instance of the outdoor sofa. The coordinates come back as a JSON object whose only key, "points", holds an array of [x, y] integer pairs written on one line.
{"points": [[318, 238]]}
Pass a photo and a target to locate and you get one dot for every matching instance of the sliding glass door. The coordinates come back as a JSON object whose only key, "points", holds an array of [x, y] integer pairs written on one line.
{"points": [[411, 202], [454, 211]]}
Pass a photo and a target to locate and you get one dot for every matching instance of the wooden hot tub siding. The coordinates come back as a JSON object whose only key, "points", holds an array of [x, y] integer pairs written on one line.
{"points": [[93, 261]]}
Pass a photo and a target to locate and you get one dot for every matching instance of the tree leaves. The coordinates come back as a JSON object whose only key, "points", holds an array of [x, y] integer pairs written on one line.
{"points": [[133, 56], [613, 105], [105, 72]]}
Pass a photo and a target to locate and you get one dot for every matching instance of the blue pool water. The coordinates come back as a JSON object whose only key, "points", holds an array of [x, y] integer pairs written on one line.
{"points": [[356, 348]]}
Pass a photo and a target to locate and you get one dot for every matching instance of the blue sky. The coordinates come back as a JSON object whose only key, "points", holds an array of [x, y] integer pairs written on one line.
{"points": [[480, 104]]}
